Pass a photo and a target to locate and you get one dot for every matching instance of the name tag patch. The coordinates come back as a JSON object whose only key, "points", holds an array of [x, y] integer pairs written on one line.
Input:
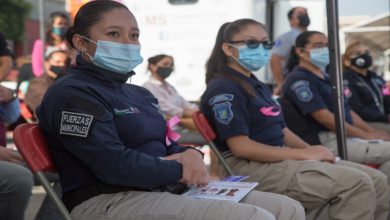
{"points": [[75, 124]]}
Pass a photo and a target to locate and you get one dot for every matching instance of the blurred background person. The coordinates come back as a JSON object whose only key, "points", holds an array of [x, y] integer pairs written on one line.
{"points": [[55, 40], [170, 101], [299, 21], [56, 65], [367, 92], [173, 104]]}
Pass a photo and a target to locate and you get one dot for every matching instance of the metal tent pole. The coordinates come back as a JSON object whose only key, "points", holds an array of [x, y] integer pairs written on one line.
{"points": [[336, 75]]}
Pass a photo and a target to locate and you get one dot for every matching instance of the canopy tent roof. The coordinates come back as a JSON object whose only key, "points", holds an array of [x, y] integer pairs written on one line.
{"points": [[374, 31]]}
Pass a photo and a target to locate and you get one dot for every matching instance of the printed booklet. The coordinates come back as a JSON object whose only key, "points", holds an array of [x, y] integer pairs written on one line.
{"points": [[222, 190]]}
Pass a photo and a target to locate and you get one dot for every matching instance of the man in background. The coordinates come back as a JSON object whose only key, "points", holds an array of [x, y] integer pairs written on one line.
{"points": [[299, 21]]}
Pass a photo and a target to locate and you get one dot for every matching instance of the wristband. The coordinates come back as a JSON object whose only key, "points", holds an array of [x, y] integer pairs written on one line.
{"points": [[189, 147]]}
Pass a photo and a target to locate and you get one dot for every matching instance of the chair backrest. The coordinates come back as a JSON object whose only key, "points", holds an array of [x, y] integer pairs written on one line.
{"points": [[32, 146], [203, 126], [209, 135]]}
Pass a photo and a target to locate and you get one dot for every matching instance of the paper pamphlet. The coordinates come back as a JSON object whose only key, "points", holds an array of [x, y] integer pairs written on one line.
{"points": [[367, 141], [235, 178], [222, 190]]}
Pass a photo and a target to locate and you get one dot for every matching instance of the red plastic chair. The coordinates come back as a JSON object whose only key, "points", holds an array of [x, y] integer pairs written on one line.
{"points": [[32, 146], [208, 134]]}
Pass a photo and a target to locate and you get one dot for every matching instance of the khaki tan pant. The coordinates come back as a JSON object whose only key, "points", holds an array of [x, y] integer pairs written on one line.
{"points": [[343, 188], [136, 205], [359, 152], [380, 126]]}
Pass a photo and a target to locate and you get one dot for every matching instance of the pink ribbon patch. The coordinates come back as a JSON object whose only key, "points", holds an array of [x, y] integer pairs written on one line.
{"points": [[270, 111], [347, 92], [385, 90], [171, 134]]}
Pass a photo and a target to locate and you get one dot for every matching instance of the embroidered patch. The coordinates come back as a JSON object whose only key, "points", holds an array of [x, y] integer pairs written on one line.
{"points": [[299, 84], [75, 124], [223, 112], [129, 110], [304, 93], [221, 98], [278, 43]]}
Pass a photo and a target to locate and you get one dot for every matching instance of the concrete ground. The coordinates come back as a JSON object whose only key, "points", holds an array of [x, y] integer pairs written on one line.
{"points": [[38, 194]]}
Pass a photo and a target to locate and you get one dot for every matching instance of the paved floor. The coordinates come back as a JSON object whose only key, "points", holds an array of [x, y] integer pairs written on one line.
{"points": [[36, 200]]}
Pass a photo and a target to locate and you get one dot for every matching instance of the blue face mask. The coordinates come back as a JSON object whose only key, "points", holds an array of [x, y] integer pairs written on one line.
{"points": [[59, 31], [252, 59], [320, 57], [116, 57]]}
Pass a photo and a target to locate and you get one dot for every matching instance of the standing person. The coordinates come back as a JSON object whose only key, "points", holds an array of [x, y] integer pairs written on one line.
{"points": [[56, 65], [367, 92], [108, 138], [254, 140], [55, 40], [299, 21], [308, 87], [169, 100]]}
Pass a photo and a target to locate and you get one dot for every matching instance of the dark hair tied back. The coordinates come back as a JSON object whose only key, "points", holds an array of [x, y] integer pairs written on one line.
{"points": [[300, 42], [88, 15], [217, 63]]}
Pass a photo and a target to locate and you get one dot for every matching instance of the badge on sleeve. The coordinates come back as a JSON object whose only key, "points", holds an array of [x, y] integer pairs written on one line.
{"points": [[75, 124], [223, 112], [302, 90], [278, 43], [221, 98]]}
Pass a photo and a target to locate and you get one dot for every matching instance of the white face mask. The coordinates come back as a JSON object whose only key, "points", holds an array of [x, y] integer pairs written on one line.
{"points": [[116, 57]]}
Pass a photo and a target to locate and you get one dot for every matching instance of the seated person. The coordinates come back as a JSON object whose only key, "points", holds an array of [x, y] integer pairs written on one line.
{"points": [[308, 87], [107, 137], [56, 65], [254, 140], [170, 101], [367, 92], [15, 185]]}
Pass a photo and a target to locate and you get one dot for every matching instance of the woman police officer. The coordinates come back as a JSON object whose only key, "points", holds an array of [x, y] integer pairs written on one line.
{"points": [[251, 133], [111, 164]]}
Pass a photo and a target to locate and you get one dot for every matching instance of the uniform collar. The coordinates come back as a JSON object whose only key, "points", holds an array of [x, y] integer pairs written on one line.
{"points": [[301, 69], [252, 79], [369, 75], [101, 74]]}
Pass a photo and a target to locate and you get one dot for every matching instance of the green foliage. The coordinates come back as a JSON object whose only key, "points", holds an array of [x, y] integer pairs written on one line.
{"points": [[12, 15]]}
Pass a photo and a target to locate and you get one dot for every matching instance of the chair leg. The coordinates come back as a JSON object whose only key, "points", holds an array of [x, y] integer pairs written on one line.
{"points": [[216, 151], [53, 195]]}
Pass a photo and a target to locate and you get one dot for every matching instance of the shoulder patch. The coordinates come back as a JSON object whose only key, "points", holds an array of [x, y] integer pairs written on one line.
{"points": [[278, 43], [299, 84], [302, 90], [220, 98], [223, 112], [75, 124]]}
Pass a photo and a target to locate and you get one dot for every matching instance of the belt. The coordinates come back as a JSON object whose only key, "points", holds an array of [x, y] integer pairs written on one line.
{"points": [[78, 196]]}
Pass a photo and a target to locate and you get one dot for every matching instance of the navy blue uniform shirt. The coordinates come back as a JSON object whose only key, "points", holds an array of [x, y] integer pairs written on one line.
{"points": [[366, 97], [232, 111], [101, 129], [310, 93]]}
